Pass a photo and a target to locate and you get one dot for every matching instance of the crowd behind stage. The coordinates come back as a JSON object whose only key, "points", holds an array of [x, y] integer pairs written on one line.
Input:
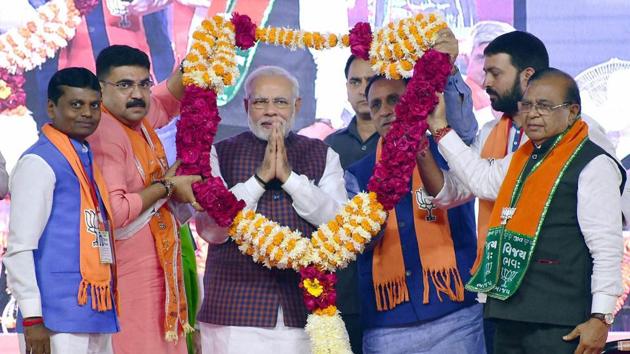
{"points": [[101, 258]]}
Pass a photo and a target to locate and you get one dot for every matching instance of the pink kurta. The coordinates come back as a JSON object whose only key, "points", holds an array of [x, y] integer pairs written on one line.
{"points": [[141, 283]]}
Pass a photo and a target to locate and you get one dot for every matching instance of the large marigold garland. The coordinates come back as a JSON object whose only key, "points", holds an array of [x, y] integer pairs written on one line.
{"points": [[210, 66], [26, 47]]}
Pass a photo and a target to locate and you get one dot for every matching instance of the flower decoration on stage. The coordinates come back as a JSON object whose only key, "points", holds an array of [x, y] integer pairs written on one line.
{"points": [[398, 51], [12, 95], [360, 40], [26, 47], [85, 6]]}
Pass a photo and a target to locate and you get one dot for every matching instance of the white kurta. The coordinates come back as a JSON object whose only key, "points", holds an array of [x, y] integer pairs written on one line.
{"points": [[316, 204], [598, 209]]}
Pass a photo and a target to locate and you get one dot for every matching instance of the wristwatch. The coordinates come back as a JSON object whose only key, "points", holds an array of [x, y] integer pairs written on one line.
{"points": [[607, 318]]}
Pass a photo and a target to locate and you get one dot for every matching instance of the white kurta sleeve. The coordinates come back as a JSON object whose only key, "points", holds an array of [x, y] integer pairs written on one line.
{"points": [[32, 187], [319, 203], [599, 216], [482, 177], [249, 191]]}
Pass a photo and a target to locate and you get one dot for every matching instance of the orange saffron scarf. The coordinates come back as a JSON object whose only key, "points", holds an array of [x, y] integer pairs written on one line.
{"points": [[529, 196], [494, 148], [436, 249], [151, 162], [538, 186], [95, 275]]}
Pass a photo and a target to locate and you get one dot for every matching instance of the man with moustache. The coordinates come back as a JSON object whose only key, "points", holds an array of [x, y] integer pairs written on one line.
{"points": [[293, 180], [60, 260], [140, 182], [551, 262]]}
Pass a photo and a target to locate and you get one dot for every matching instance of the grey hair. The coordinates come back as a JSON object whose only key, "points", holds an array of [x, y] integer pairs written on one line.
{"points": [[272, 71], [487, 31]]}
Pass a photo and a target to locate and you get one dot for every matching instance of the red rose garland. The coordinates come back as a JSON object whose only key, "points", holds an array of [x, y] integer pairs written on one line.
{"points": [[390, 180], [195, 135], [12, 93], [360, 37]]}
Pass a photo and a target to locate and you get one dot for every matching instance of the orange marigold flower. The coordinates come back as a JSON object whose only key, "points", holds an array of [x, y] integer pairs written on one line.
{"points": [[291, 245], [271, 35], [277, 239], [288, 39], [350, 247], [387, 53], [391, 37], [398, 52], [308, 39], [332, 40], [406, 65], [345, 40], [281, 34], [261, 34], [407, 44], [227, 79], [278, 256], [219, 70]]}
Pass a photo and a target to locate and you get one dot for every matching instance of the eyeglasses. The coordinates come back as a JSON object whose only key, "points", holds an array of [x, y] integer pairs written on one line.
{"points": [[542, 108], [262, 103], [127, 86]]}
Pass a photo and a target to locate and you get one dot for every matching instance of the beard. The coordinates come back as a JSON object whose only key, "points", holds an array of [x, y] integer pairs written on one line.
{"points": [[507, 103], [263, 134]]}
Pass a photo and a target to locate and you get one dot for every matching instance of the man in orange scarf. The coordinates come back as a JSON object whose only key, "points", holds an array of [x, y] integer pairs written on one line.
{"points": [[140, 182], [60, 260], [411, 279], [551, 262]]}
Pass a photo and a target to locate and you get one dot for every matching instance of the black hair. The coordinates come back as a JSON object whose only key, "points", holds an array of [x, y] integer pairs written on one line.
{"points": [[120, 55], [346, 70], [572, 91], [72, 77], [379, 77], [525, 50]]}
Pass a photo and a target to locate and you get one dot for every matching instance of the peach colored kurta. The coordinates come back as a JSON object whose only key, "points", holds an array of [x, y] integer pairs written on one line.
{"points": [[141, 283]]}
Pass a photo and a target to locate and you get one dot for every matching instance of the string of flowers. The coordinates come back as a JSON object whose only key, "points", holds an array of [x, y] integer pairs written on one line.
{"points": [[399, 45], [403, 141], [85, 6], [208, 68], [26, 47], [12, 95]]}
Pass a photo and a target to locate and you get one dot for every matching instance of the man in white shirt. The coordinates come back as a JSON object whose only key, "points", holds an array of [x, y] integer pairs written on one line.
{"points": [[293, 180], [59, 260], [551, 263]]}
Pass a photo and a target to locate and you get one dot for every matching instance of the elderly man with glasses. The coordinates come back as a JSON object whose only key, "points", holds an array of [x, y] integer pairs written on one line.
{"points": [[140, 182], [551, 262], [291, 179]]}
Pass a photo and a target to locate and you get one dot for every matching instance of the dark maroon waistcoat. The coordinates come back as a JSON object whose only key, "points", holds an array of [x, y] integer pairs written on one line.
{"points": [[239, 292]]}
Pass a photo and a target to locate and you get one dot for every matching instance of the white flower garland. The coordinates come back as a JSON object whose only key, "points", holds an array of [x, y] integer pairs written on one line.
{"points": [[28, 46]]}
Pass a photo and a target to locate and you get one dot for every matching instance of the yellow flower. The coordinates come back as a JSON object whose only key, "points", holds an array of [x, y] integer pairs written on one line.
{"points": [[313, 287], [5, 90]]}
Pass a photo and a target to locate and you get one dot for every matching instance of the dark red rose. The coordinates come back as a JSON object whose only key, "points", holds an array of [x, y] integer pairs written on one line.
{"points": [[361, 40], [245, 31]]}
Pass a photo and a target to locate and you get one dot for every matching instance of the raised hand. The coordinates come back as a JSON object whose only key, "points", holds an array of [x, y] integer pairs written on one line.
{"points": [[437, 118], [267, 169], [447, 43], [283, 169]]}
